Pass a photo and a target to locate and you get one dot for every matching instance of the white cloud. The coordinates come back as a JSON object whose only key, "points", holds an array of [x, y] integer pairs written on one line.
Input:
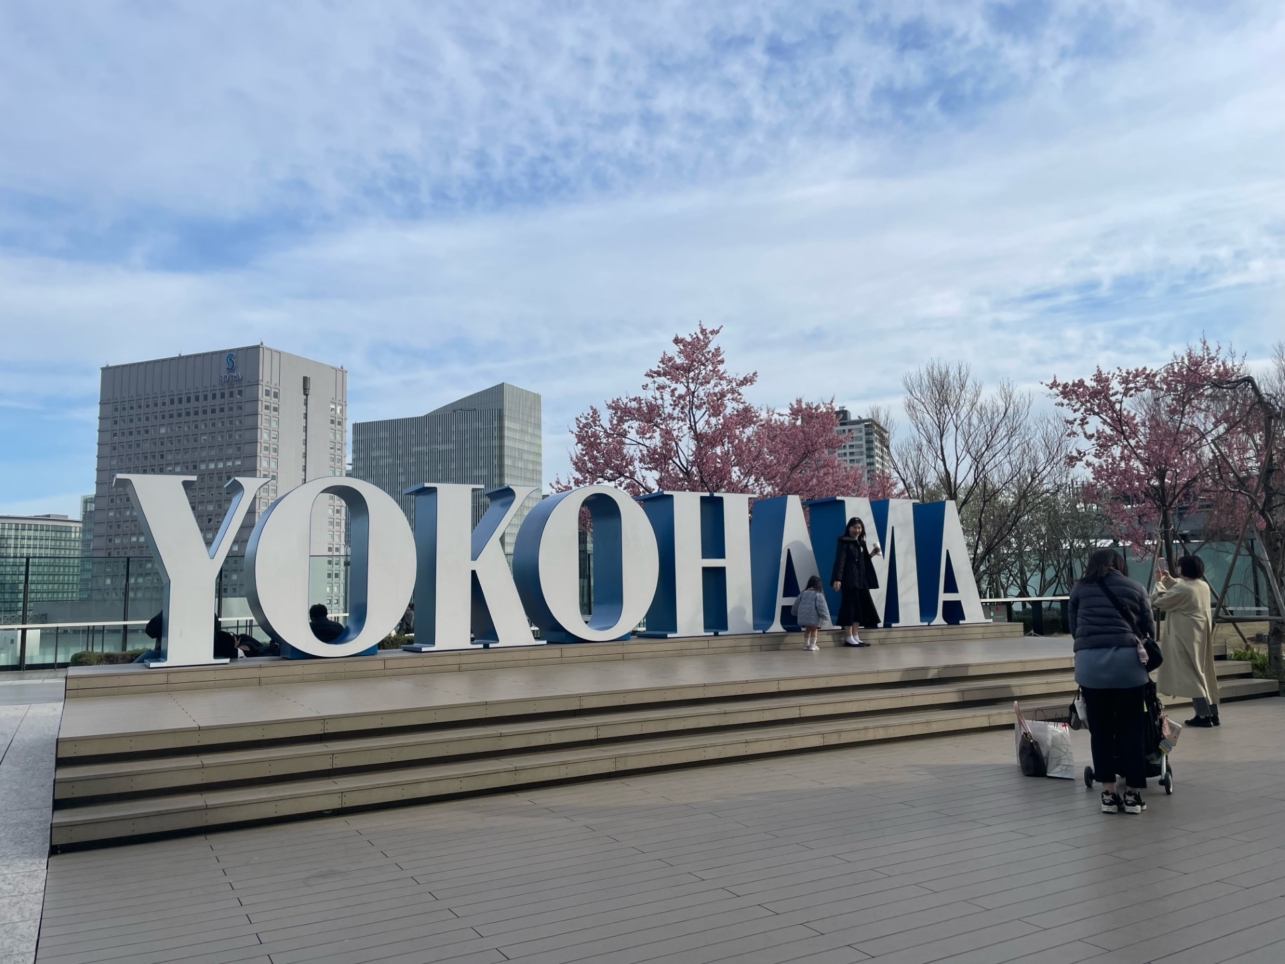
{"points": [[1105, 215]]}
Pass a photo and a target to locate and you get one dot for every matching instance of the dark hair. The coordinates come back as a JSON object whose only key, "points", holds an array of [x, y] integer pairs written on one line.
{"points": [[318, 612], [814, 583], [854, 521], [1101, 562], [1191, 567]]}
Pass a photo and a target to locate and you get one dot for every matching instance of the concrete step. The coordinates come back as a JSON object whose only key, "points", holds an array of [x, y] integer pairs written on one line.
{"points": [[208, 809], [389, 742], [92, 681], [417, 713], [1235, 682], [1245, 689], [138, 775]]}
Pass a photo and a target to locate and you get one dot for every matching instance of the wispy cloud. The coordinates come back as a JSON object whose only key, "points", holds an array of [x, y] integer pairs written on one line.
{"points": [[439, 200]]}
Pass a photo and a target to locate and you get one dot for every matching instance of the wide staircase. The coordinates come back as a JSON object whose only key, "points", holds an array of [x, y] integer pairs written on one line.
{"points": [[115, 784]]}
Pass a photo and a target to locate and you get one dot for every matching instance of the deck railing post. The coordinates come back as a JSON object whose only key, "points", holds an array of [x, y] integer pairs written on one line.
{"points": [[26, 596], [124, 626]]}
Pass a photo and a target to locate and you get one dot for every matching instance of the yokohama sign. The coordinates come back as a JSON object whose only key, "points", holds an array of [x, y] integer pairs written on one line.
{"points": [[688, 563]]}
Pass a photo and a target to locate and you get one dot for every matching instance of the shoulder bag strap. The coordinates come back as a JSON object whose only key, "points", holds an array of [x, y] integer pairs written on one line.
{"points": [[1124, 612]]}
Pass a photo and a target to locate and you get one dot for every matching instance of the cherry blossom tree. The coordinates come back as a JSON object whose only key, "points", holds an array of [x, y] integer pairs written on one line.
{"points": [[1247, 442], [692, 429], [1146, 442], [792, 453]]}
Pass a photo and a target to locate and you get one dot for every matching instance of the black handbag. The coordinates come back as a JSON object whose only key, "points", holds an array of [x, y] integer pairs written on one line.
{"points": [[1152, 648], [1030, 757]]}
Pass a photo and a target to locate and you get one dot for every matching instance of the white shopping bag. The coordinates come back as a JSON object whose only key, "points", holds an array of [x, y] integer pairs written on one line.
{"points": [[1054, 740]]}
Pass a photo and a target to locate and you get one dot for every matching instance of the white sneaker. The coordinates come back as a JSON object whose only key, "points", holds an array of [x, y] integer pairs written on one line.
{"points": [[812, 646]]}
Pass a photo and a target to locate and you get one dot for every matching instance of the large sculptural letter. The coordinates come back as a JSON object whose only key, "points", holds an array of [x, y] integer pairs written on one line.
{"points": [[781, 554], [625, 562], [948, 591], [188, 569], [381, 573], [898, 570], [458, 563], [828, 519], [704, 545]]}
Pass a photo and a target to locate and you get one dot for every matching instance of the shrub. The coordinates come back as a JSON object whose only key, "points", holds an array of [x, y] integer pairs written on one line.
{"points": [[90, 658], [396, 641], [1256, 658]]}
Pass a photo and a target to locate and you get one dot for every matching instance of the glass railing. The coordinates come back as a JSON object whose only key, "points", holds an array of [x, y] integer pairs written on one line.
{"points": [[52, 607], [1039, 615], [52, 645]]}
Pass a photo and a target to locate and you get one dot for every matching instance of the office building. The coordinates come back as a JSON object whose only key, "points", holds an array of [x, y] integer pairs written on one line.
{"points": [[251, 411], [491, 438], [41, 549], [865, 444], [86, 544]]}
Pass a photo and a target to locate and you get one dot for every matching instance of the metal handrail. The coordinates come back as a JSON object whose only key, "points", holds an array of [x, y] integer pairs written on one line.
{"points": [[126, 622], [96, 622], [1013, 599]]}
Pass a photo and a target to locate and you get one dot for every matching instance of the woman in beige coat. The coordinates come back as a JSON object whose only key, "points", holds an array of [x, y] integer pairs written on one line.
{"points": [[1187, 639]]}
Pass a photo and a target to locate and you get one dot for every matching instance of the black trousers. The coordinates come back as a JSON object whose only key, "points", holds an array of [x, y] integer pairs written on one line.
{"points": [[1117, 730], [856, 607]]}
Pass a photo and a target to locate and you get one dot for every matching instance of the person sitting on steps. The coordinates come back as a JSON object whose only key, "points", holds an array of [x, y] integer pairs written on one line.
{"points": [[225, 645], [322, 626]]}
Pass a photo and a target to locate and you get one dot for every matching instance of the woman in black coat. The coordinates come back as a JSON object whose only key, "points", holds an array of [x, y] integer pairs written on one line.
{"points": [[854, 576]]}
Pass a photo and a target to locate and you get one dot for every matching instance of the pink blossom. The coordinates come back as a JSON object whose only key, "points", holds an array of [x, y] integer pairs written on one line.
{"points": [[691, 429]]}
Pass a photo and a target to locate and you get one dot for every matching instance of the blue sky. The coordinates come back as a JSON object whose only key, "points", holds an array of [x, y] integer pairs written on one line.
{"points": [[439, 198]]}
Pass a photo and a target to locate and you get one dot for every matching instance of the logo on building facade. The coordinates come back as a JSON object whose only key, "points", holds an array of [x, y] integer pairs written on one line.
{"points": [[229, 362], [681, 563]]}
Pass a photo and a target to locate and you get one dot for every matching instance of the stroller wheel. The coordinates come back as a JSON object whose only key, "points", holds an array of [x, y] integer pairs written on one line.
{"points": [[1088, 777], [1167, 783]]}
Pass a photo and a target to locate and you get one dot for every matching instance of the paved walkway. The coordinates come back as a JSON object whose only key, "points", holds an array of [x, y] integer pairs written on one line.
{"points": [[902, 853], [30, 707]]}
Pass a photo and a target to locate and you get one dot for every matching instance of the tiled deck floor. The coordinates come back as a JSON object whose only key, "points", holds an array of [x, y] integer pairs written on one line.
{"points": [[907, 852], [30, 707]]}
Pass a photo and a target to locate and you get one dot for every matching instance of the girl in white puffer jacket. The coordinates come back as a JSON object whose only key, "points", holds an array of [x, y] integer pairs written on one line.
{"points": [[811, 610]]}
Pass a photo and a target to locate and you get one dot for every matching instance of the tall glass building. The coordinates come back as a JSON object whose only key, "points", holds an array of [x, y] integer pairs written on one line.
{"points": [[45, 549], [86, 544], [491, 438], [251, 411]]}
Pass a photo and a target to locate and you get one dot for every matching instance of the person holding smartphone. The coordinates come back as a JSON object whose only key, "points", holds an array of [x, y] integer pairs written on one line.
{"points": [[853, 576], [1187, 638]]}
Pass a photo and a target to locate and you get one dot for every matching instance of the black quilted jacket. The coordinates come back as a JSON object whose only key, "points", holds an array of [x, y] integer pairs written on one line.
{"points": [[1095, 622]]}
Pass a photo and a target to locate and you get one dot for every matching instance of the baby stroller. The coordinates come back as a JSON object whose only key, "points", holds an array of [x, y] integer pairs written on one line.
{"points": [[1158, 764]]}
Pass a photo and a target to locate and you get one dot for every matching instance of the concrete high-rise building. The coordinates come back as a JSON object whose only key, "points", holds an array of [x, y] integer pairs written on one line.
{"points": [[42, 551], [491, 438], [251, 411], [86, 544], [865, 445]]}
